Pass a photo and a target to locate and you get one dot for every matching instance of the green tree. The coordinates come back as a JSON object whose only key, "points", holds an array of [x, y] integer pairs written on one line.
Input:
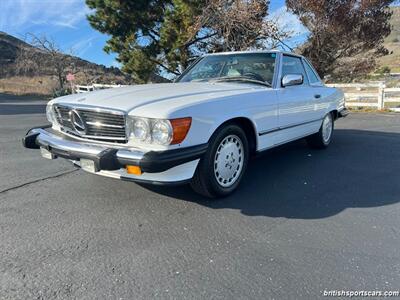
{"points": [[150, 36], [147, 35], [134, 27]]}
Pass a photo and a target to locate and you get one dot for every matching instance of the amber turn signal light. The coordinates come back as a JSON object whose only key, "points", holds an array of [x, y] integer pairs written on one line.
{"points": [[135, 170], [180, 128]]}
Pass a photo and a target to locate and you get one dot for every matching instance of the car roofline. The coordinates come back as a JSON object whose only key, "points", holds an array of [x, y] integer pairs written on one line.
{"points": [[252, 52]]}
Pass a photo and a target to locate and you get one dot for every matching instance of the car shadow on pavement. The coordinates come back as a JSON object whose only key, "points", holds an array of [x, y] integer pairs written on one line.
{"points": [[359, 169]]}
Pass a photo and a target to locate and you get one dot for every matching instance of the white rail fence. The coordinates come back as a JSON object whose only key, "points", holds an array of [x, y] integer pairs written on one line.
{"points": [[374, 95]]}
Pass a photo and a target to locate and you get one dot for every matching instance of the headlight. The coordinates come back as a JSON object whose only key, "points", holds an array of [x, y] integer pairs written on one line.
{"points": [[158, 131], [140, 129], [161, 132], [50, 114]]}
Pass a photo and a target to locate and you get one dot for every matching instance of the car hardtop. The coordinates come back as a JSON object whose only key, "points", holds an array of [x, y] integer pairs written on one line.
{"points": [[254, 52]]}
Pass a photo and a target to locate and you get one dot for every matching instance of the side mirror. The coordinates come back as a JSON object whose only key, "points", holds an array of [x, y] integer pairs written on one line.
{"points": [[292, 79]]}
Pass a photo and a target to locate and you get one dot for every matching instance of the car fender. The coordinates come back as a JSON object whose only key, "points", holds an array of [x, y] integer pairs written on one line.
{"points": [[334, 100], [208, 117]]}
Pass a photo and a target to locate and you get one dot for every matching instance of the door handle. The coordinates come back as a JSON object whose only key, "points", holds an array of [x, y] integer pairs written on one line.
{"points": [[317, 96]]}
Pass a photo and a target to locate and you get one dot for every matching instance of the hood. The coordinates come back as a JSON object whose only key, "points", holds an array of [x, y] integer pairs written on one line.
{"points": [[132, 97]]}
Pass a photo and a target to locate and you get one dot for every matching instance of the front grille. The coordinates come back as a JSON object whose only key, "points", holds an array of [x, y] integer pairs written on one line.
{"points": [[99, 125]]}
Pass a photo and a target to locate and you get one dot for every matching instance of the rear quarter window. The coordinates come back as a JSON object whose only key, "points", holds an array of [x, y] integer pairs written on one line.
{"points": [[311, 73]]}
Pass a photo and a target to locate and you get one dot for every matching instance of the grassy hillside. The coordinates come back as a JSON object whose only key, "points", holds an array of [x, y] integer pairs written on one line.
{"points": [[392, 42], [43, 80]]}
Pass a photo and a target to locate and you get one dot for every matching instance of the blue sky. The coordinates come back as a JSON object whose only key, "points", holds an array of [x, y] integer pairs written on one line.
{"points": [[65, 22]]}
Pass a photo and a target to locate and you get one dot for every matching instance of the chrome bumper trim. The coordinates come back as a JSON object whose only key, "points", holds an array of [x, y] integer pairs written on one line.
{"points": [[130, 154], [109, 157], [57, 142]]}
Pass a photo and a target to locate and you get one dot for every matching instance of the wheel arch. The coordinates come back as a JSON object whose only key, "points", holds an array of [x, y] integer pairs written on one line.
{"points": [[335, 114], [249, 128]]}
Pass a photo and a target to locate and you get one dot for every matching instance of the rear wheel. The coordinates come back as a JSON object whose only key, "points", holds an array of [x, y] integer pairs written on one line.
{"points": [[323, 137], [221, 169]]}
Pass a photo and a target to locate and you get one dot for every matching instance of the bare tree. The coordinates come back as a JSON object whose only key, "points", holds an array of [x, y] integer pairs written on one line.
{"points": [[340, 29], [235, 25], [45, 55], [27, 62]]}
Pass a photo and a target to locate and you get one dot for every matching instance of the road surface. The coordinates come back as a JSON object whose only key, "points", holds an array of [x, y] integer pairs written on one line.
{"points": [[303, 221]]}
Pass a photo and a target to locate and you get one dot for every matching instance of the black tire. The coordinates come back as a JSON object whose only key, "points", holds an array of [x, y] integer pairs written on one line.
{"points": [[317, 140], [204, 180]]}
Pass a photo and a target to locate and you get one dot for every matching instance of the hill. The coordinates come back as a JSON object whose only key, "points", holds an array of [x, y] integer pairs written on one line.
{"points": [[10, 47], [42, 80], [392, 43]]}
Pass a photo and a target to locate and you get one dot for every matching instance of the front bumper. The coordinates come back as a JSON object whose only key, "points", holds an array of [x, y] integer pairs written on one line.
{"points": [[108, 158], [343, 113]]}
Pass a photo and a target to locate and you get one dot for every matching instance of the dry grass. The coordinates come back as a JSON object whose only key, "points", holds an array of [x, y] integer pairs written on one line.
{"points": [[392, 60], [392, 43], [367, 110], [28, 85]]}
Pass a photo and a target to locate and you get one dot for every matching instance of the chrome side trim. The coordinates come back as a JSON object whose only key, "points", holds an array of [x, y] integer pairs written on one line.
{"points": [[286, 127], [264, 132], [282, 143]]}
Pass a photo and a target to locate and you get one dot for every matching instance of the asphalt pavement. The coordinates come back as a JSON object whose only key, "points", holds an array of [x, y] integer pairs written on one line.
{"points": [[303, 221]]}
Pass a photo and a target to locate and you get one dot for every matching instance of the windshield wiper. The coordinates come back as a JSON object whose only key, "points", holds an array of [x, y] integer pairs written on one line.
{"points": [[241, 78]]}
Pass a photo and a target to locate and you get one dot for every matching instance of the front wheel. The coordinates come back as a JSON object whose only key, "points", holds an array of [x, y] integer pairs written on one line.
{"points": [[221, 169], [323, 137]]}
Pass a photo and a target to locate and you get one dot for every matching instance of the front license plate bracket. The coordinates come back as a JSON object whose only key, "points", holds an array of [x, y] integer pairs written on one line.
{"points": [[47, 154], [88, 165]]}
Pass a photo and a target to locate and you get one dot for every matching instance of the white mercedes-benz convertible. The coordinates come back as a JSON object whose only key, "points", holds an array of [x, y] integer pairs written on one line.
{"points": [[200, 129]]}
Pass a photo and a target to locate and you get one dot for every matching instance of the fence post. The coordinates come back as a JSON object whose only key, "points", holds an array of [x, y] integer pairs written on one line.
{"points": [[381, 96]]}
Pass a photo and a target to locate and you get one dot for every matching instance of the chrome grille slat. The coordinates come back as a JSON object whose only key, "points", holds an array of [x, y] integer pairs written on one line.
{"points": [[100, 125], [110, 117], [90, 118], [102, 121], [93, 131], [122, 129], [103, 133]]}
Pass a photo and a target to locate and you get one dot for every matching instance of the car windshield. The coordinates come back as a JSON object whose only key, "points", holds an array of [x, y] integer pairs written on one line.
{"points": [[247, 67]]}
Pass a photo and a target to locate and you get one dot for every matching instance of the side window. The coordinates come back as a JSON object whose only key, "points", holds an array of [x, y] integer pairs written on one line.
{"points": [[312, 77], [293, 65]]}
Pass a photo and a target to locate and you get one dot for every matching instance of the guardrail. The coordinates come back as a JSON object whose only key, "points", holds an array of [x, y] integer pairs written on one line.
{"points": [[90, 88], [375, 95]]}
